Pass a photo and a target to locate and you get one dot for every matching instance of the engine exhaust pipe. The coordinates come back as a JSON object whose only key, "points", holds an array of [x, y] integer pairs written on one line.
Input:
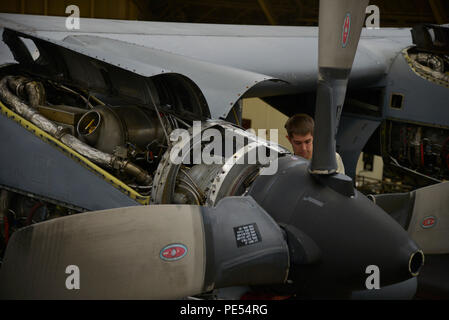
{"points": [[416, 262]]}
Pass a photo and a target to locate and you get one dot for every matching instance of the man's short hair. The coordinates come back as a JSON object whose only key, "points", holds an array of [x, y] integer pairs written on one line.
{"points": [[300, 124]]}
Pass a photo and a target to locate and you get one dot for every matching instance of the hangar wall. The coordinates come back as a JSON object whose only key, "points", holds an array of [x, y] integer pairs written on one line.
{"points": [[110, 9], [264, 116]]}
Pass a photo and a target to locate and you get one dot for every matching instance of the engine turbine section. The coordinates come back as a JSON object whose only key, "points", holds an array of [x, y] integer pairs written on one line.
{"points": [[212, 160]]}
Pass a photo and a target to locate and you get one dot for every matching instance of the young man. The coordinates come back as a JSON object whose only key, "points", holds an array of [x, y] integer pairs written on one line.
{"points": [[300, 134]]}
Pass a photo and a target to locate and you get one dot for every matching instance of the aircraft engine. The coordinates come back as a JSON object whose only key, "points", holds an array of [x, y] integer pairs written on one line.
{"points": [[138, 144]]}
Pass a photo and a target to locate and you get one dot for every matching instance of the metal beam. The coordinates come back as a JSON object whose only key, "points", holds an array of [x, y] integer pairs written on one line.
{"points": [[264, 6], [92, 8], [438, 11]]}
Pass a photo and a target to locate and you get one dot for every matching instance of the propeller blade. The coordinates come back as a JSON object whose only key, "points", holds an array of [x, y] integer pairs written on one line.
{"points": [[340, 25], [145, 252]]}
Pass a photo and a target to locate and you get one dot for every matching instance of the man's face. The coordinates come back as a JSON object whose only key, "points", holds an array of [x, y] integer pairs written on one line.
{"points": [[302, 145]]}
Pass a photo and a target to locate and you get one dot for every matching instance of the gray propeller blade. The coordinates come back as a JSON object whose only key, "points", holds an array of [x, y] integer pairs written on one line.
{"points": [[340, 25], [145, 252]]}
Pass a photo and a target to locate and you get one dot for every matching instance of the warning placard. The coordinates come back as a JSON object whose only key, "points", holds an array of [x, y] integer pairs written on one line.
{"points": [[247, 234]]}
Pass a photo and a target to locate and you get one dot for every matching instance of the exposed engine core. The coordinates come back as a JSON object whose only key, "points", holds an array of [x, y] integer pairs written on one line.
{"points": [[193, 181], [421, 149], [136, 143], [30, 113], [430, 66]]}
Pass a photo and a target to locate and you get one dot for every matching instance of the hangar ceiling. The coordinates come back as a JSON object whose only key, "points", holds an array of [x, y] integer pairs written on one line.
{"points": [[397, 13]]}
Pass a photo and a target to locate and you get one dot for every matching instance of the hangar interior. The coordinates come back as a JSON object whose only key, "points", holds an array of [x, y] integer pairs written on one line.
{"points": [[399, 13], [418, 146]]}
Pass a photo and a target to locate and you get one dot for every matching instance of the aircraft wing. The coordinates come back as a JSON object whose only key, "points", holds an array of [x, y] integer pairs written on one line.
{"points": [[226, 62]]}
